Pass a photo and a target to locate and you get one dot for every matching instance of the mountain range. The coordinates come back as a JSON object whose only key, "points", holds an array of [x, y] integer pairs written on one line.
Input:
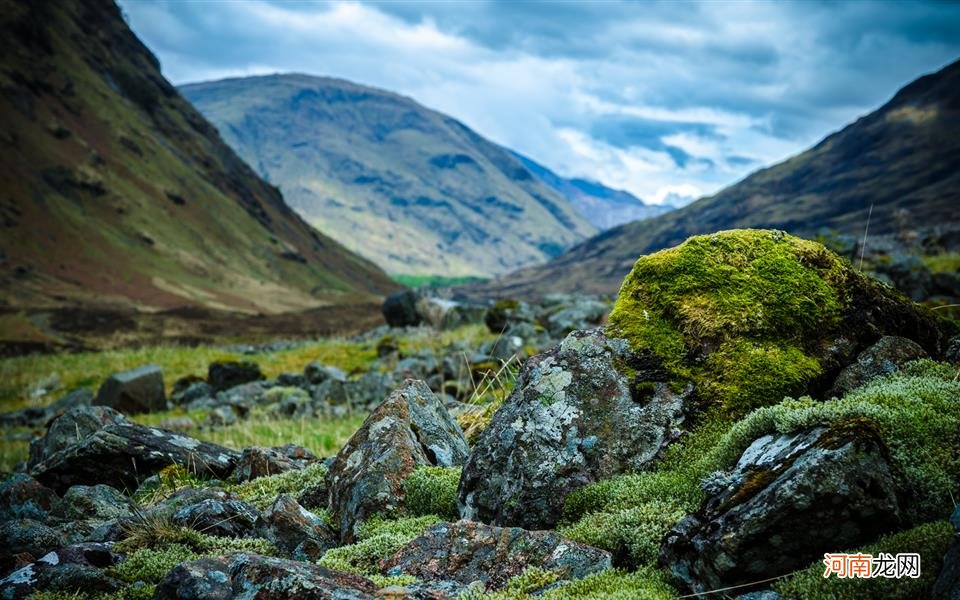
{"points": [[894, 170], [409, 188], [602, 206], [116, 191]]}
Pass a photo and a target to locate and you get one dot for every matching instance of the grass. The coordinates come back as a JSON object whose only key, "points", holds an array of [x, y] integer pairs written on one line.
{"points": [[434, 281], [947, 262]]}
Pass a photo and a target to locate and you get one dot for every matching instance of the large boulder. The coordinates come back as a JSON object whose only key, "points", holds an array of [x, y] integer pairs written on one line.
{"points": [[466, 551], [135, 391], [400, 309], [224, 375], [789, 499], [245, 575], [119, 453], [410, 428], [752, 316], [887, 356], [573, 418]]}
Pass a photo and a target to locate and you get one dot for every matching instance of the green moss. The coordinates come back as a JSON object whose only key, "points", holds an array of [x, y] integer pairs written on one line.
{"points": [[632, 535], [614, 584], [384, 581], [151, 565], [758, 297], [377, 539], [261, 492], [930, 540], [432, 491]]}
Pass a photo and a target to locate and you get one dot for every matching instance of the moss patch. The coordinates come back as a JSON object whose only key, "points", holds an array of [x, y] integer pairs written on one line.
{"points": [[432, 491], [377, 539], [751, 302], [930, 541]]}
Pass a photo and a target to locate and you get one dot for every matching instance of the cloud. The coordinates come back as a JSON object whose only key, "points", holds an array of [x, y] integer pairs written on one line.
{"points": [[661, 99]]}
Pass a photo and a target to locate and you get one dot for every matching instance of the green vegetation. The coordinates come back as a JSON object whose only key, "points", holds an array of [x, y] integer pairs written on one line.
{"points": [[383, 581], [612, 584], [262, 491], [432, 491], [947, 262], [151, 565], [760, 297], [434, 281], [377, 539], [930, 541]]}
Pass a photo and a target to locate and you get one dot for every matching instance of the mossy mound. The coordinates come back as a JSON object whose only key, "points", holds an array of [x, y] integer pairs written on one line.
{"points": [[751, 316]]}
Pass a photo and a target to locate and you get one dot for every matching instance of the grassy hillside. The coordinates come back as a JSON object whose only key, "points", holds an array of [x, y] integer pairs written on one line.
{"points": [[409, 188], [903, 160], [117, 192]]}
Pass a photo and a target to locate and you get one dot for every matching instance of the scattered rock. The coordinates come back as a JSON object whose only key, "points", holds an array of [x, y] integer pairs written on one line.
{"points": [[73, 425], [69, 570], [132, 392], [189, 389], [410, 428], [317, 373], [572, 419], [228, 374], [295, 531], [28, 536], [220, 416], [23, 497], [120, 453], [447, 314], [38, 416], [789, 499], [947, 586], [261, 462], [252, 576], [97, 502], [400, 309], [228, 518], [887, 356], [466, 551]]}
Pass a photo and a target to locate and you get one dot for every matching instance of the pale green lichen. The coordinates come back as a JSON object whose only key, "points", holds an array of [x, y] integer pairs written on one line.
{"points": [[261, 492], [378, 539], [150, 565]]}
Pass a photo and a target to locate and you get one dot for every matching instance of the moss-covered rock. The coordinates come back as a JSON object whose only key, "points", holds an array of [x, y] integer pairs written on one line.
{"points": [[751, 316], [432, 491]]}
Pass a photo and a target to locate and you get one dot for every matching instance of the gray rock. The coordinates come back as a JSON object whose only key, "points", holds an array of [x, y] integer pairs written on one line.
{"points": [[466, 551], [120, 453], [571, 420], [258, 462], [220, 416], [28, 536], [887, 356], [290, 402], [132, 392], [97, 502], [228, 518], [789, 499], [23, 497], [38, 416], [947, 586], [582, 314], [295, 531], [68, 570], [186, 392], [448, 314], [69, 428], [292, 380], [408, 429], [228, 374], [317, 373], [246, 575]]}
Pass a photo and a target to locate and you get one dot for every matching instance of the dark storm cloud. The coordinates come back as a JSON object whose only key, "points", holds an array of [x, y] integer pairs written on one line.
{"points": [[658, 98]]}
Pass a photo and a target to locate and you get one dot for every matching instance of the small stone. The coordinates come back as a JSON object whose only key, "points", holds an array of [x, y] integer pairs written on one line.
{"points": [[132, 392]]}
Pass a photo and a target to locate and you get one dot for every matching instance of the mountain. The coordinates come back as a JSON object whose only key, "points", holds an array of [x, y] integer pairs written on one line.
{"points": [[603, 207], [413, 190], [116, 191], [903, 160]]}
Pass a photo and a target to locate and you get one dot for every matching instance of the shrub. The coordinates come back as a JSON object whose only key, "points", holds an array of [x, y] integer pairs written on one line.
{"points": [[930, 541], [432, 491]]}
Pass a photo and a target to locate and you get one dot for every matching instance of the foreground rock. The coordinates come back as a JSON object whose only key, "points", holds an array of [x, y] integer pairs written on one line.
{"points": [[572, 419], [119, 452], [410, 428], [227, 517], [295, 531], [71, 570], [132, 392], [947, 586], [466, 551], [247, 575], [780, 507]]}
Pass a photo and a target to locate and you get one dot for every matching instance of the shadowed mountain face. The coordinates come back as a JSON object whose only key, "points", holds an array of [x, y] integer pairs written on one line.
{"points": [[413, 190], [603, 207], [903, 160], [117, 191]]}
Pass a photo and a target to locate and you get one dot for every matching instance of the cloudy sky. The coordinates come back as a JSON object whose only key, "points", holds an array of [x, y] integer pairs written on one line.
{"points": [[656, 98]]}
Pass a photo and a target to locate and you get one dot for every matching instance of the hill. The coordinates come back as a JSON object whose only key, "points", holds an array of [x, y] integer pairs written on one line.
{"points": [[903, 160], [602, 206], [117, 192], [409, 188]]}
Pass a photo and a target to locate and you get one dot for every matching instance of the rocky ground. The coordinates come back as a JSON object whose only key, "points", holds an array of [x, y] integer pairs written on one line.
{"points": [[751, 403]]}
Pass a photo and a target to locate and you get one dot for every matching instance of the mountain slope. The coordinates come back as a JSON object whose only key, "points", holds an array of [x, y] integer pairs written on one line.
{"points": [[903, 160], [603, 207], [117, 191], [409, 188]]}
